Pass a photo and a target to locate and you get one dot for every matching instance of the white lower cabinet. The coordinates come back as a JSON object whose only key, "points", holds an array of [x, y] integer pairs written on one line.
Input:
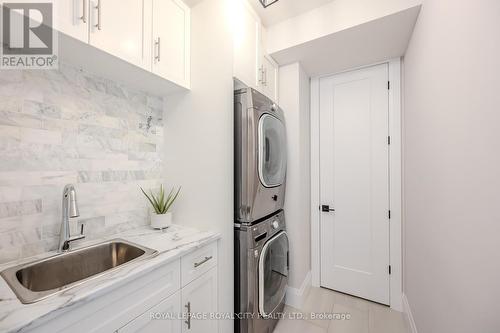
{"points": [[163, 318], [268, 80], [192, 308], [199, 301], [154, 302], [193, 315]]}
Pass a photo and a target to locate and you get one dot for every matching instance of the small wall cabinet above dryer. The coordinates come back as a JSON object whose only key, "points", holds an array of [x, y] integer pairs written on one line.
{"points": [[268, 80], [252, 66], [151, 34]]}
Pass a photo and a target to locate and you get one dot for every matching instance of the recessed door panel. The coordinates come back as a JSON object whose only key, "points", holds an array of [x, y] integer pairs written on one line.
{"points": [[354, 174]]}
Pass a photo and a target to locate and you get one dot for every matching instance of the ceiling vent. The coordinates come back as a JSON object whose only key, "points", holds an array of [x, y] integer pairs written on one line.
{"points": [[267, 3]]}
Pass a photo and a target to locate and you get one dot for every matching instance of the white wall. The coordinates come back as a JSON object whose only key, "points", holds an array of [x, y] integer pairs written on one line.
{"points": [[294, 99], [451, 167], [330, 18], [199, 139]]}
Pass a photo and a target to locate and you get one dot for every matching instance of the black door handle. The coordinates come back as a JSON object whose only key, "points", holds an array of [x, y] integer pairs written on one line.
{"points": [[326, 209]]}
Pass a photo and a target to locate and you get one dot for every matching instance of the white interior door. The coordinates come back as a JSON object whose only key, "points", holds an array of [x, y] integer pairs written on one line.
{"points": [[354, 173]]}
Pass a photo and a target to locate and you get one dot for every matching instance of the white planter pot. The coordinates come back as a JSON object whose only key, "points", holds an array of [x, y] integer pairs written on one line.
{"points": [[161, 221]]}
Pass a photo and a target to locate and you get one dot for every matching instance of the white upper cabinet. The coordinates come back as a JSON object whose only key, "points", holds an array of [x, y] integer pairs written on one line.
{"points": [[171, 41], [252, 66], [72, 18], [123, 29], [246, 44], [151, 34]]}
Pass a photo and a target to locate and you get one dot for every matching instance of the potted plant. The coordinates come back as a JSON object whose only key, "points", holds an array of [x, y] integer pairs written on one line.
{"points": [[161, 217]]}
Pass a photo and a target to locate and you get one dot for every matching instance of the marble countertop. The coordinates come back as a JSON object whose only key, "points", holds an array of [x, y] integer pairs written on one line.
{"points": [[171, 245]]}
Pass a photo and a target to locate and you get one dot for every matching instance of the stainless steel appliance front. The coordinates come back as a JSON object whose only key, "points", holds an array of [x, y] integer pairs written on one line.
{"points": [[260, 156], [261, 274]]}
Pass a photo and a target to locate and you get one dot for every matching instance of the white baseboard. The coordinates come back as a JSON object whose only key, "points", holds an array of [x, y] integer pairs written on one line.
{"points": [[409, 315], [296, 297]]}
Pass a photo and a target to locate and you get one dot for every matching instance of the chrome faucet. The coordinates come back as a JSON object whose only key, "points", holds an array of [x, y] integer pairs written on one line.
{"points": [[69, 210]]}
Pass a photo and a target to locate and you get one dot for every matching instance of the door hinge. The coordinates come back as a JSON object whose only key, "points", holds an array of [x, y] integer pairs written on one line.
{"points": [[389, 213], [388, 140], [388, 85], [390, 270]]}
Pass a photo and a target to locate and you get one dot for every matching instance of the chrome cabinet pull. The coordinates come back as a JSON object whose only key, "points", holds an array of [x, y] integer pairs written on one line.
{"points": [[198, 264], [98, 7], [188, 321], [84, 12], [158, 50], [261, 70]]}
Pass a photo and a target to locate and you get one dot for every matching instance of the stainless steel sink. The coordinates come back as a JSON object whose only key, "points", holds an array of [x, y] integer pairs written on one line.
{"points": [[37, 280]]}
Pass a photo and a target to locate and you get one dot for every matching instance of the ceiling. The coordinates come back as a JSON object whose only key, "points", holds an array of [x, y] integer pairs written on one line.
{"points": [[371, 42], [285, 9]]}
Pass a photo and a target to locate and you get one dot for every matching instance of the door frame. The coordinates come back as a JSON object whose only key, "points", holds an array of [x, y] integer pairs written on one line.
{"points": [[395, 181]]}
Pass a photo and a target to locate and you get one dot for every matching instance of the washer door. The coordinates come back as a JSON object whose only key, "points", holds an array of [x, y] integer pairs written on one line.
{"points": [[272, 151], [273, 273]]}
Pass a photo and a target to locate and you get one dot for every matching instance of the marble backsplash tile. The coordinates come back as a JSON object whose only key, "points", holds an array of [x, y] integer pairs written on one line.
{"points": [[68, 126]]}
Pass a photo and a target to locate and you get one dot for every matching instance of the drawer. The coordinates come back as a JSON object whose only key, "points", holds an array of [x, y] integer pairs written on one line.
{"points": [[198, 262]]}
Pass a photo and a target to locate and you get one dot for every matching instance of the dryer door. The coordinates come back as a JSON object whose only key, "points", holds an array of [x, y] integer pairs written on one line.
{"points": [[272, 151], [273, 273]]}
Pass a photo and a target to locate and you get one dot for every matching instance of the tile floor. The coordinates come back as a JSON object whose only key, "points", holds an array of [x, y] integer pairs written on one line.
{"points": [[365, 316]]}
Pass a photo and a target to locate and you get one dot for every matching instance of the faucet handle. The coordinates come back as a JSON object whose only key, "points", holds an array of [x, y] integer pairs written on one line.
{"points": [[77, 237]]}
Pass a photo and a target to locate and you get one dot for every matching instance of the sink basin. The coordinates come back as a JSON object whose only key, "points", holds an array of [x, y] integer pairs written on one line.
{"points": [[37, 280]]}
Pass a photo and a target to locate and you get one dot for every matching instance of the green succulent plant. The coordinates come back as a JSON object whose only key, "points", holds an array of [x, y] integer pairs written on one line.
{"points": [[161, 203]]}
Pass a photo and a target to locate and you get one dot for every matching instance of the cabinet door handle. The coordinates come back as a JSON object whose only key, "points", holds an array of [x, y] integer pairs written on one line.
{"points": [[158, 49], [188, 321], [98, 7], [261, 74], [198, 264], [265, 77], [84, 12]]}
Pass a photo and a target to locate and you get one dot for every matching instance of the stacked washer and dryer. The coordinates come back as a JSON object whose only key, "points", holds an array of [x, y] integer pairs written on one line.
{"points": [[261, 242]]}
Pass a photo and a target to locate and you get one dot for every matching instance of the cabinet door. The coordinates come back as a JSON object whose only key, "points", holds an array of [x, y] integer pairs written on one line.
{"points": [[199, 302], [269, 78], [171, 41], [72, 18], [246, 45], [164, 318], [120, 27]]}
